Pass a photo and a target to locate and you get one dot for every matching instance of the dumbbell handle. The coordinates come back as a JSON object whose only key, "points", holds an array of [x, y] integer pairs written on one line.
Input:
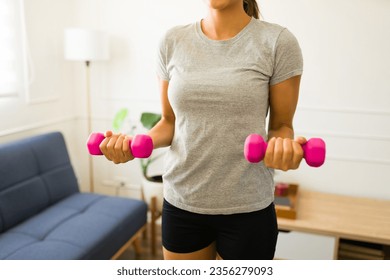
{"points": [[314, 150], [141, 145]]}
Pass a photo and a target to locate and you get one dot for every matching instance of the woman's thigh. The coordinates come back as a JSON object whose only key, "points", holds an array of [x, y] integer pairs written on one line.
{"points": [[208, 253], [186, 235], [247, 235]]}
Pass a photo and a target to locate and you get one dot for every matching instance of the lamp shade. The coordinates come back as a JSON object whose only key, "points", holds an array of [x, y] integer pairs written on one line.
{"points": [[86, 44]]}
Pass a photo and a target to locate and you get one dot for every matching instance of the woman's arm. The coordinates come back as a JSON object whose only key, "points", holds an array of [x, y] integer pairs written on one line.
{"points": [[283, 152], [162, 132]]}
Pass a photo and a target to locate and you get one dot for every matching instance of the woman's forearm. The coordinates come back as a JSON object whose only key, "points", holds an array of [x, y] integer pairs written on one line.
{"points": [[162, 133]]}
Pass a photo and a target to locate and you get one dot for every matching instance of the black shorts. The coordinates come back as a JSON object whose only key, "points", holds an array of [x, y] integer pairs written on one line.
{"points": [[246, 236]]}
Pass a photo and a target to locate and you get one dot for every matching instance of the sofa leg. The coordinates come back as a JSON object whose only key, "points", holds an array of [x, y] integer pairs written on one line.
{"points": [[135, 241], [137, 246], [145, 233]]}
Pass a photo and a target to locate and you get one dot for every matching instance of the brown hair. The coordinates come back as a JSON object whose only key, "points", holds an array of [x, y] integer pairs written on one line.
{"points": [[251, 8]]}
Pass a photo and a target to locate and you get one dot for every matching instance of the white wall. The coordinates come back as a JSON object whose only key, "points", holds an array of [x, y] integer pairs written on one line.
{"points": [[344, 94], [50, 87]]}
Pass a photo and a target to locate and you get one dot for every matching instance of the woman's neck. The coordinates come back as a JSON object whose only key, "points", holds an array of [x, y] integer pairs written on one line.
{"points": [[225, 23]]}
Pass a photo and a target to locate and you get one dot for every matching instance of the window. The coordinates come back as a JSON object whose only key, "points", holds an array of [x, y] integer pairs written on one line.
{"points": [[11, 47]]}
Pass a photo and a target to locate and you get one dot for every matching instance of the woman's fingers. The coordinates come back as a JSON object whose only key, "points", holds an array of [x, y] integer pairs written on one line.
{"points": [[126, 151], [288, 154], [115, 147], [283, 154], [111, 147], [269, 153], [301, 140], [297, 154], [108, 133]]}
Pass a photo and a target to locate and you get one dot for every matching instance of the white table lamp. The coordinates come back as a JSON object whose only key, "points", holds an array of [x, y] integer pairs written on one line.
{"points": [[86, 45]]}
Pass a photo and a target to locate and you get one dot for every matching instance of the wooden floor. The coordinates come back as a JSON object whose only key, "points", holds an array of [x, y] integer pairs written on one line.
{"points": [[146, 253]]}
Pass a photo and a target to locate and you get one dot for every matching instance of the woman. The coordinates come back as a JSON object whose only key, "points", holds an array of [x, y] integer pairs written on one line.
{"points": [[218, 78]]}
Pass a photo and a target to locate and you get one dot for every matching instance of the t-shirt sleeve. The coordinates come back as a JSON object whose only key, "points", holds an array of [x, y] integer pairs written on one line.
{"points": [[288, 61], [161, 65]]}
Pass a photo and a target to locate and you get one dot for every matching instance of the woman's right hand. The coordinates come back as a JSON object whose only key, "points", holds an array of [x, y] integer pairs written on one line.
{"points": [[115, 147]]}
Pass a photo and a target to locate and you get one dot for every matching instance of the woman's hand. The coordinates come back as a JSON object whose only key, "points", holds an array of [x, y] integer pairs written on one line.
{"points": [[284, 153], [116, 147]]}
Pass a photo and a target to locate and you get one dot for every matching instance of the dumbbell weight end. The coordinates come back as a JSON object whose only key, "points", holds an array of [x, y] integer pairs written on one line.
{"points": [[314, 152], [141, 146], [93, 143], [254, 148]]}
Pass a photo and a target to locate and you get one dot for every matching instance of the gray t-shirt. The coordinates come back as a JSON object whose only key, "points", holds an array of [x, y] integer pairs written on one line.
{"points": [[219, 93]]}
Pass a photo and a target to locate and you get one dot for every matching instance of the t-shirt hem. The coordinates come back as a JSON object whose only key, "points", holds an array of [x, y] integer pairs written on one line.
{"points": [[162, 76], [291, 74]]}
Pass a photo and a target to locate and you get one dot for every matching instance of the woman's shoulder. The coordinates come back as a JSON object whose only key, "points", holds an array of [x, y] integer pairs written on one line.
{"points": [[268, 27], [272, 31]]}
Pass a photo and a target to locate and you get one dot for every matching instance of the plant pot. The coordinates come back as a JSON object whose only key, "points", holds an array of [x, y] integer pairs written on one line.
{"points": [[153, 187]]}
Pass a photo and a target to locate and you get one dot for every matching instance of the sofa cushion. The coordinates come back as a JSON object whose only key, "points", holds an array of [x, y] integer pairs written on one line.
{"points": [[22, 201], [82, 226], [34, 173]]}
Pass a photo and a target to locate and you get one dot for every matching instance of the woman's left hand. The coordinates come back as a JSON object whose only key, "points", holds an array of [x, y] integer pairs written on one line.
{"points": [[284, 153]]}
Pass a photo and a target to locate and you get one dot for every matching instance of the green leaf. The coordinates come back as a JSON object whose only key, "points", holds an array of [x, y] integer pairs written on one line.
{"points": [[149, 120], [119, 119]]}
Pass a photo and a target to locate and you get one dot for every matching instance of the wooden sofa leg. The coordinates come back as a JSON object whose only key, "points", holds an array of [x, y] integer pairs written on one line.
{"points": [[135, 241], [137, 246], [145, 233]]}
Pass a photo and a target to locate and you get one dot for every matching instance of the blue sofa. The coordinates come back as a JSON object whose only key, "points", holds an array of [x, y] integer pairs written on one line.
{"points": [[43, 215]]}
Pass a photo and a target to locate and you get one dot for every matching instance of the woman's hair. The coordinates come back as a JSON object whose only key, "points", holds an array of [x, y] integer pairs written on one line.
{"points": [[251, 8]]}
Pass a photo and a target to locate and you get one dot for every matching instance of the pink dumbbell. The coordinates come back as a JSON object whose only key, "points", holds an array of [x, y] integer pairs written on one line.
{"points": [[313, 150], [141, 145]]}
